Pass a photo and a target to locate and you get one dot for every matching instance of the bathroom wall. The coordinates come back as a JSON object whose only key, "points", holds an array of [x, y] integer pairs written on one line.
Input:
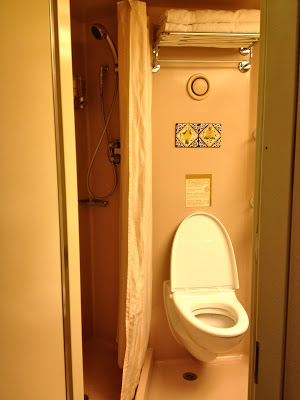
{"points": [[104, 221], [82, 147], [232, 103], [98, 226]]}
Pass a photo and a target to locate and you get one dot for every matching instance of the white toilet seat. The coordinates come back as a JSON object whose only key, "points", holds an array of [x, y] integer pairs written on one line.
{"points": [[187, 303], [202, 255], [216, 317], [203, 283]]}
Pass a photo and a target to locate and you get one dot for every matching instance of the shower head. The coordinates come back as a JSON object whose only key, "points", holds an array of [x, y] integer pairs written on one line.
{"points": [[99, 33]]}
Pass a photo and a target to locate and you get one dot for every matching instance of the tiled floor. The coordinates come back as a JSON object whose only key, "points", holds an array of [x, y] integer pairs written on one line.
{"points": [[102, 376], [222, 379]]}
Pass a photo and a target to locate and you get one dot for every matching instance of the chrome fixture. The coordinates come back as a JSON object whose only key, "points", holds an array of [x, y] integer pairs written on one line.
{"points": [[100, 32], [243, 41], [113, 152], [244, 66], [79, 91], [103, 71]]}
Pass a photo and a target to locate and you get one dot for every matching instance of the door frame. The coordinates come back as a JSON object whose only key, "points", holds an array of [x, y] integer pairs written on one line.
{"points": [[276, 130], [292, 355], [63, 104]]}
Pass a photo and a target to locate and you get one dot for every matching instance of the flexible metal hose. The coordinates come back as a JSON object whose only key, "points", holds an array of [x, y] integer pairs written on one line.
{"points": [[104, 134]]}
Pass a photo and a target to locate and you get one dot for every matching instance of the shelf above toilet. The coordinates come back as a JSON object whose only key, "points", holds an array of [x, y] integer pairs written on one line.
{"points": [[242, 41]]}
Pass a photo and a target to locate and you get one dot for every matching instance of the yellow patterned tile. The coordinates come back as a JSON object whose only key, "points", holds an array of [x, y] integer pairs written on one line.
{"points": [[209, 135], [187, 136]]}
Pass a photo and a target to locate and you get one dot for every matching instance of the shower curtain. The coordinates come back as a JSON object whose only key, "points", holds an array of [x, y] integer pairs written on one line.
{"points": [[136, 192]]}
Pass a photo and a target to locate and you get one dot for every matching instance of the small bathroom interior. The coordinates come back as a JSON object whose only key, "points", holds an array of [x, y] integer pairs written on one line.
{"points": [[229, 108]]}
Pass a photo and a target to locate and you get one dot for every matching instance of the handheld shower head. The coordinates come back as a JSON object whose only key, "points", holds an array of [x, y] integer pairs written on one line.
{"points": [[100, 32]]}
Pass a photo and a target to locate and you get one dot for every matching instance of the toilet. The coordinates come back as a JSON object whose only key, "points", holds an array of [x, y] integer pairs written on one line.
{"points": [[203, 312]]}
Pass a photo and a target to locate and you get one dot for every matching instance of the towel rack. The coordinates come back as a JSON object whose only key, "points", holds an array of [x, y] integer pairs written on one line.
{"points": [[243, 41]]}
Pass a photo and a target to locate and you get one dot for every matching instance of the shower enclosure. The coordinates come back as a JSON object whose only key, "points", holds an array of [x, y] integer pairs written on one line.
{"points": [[98, 158]]}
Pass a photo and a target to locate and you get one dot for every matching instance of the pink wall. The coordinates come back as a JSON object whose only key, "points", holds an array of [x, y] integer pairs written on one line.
{"points": [[104, 221], [82, 148]]}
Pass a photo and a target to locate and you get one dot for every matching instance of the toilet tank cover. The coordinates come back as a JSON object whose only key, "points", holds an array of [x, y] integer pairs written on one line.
{"points": [[202, 255]]}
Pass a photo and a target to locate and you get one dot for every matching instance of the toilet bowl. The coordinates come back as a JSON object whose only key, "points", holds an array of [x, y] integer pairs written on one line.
{"points": [[203, 312]]}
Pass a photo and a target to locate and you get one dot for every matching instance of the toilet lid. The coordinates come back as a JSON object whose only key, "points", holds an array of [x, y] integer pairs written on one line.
{"points": [[202, 255]]}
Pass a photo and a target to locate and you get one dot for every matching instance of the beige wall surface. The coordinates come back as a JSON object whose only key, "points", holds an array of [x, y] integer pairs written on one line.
{"points": [[104, 221], [82, 146], [232, 103], [31, 334]]}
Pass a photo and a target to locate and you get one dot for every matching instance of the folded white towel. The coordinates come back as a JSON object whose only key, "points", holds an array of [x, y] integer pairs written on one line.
{"points": [[223, 27], [219, 21], [178, 16]]}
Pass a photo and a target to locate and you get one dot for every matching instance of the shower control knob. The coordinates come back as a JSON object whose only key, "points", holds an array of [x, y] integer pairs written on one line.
{"points": [[116, 159], [115, 144]]}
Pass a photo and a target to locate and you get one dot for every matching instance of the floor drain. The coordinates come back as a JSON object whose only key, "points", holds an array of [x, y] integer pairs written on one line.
{"points": [[189, 376]]}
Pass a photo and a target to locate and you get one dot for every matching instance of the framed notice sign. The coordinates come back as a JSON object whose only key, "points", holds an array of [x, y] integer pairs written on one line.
{"points": [[198, 190]]}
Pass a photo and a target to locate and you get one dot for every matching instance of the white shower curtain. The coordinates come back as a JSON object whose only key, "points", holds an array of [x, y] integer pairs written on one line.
{"points": [[136, 191]]}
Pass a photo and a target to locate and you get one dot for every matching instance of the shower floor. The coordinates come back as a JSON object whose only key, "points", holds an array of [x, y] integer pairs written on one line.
{"points": [[102, 376], [221, 379]]}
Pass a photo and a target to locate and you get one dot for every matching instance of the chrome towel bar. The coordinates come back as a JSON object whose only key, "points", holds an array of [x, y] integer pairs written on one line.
{"points": [[243, 41]]}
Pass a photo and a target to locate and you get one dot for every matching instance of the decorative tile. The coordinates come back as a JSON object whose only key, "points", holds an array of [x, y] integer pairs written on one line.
{"points": [[204, 135], [186, 136], [209, 136]]}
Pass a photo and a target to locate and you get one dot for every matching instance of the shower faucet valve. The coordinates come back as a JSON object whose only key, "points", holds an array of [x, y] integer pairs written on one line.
{"points": [[114, 153]]}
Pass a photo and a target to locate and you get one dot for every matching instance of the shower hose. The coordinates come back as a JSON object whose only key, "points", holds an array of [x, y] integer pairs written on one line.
{"points": [[104, 134]]}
